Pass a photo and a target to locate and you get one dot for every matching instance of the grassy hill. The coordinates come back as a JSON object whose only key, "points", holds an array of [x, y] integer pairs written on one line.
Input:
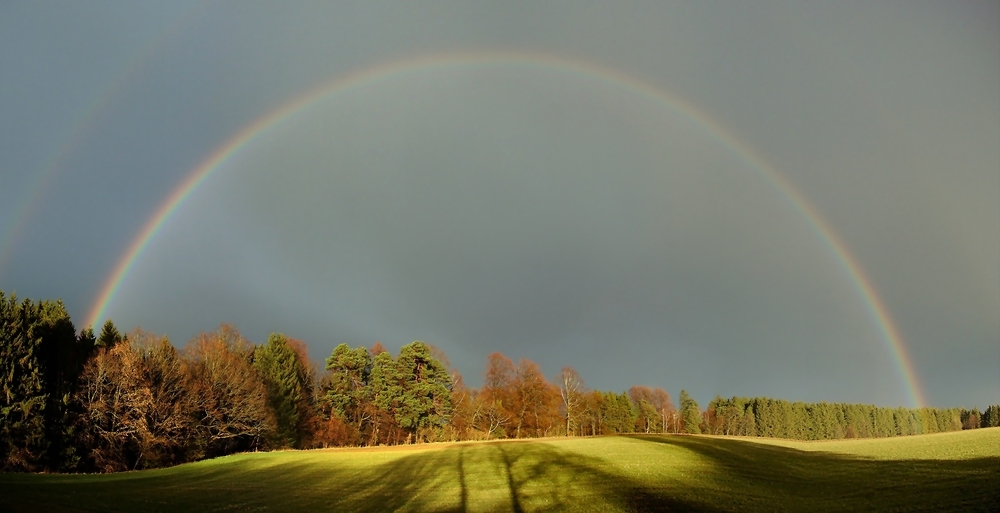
{"points": [[953, 471]]}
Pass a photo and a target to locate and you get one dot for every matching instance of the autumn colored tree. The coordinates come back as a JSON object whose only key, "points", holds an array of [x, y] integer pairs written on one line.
{"points": [[377, 349], [660, 400], [648, 417], [498, 392], [135, 409], [170, 417], [535, 401], [230, 398], [115, 398], [592, 416], [489, 416], [115, 402], [463, 409]]}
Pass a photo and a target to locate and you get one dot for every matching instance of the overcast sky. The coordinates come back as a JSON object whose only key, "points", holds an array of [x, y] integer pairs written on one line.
{"points": [[525, 205]]}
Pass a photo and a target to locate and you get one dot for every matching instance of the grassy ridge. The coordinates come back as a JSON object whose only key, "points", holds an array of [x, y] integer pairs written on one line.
{"points": [[953, 471]]}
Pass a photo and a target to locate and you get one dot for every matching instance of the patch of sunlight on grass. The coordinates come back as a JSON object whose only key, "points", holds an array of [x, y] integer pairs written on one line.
{"points": [[958, 445], [957, 471]]}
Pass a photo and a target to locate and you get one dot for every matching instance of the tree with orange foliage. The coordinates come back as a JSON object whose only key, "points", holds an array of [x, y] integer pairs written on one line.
{"points": [[136, 411], [593, 402], [488, 416], [230, 398], [535, 401], [114, 398], [498, 394], [377, 349], [463, 409], [169, 419], [660, 400]]}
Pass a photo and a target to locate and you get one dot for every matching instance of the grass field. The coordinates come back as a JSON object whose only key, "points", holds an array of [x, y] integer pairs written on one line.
{"points": [[944, 472]]}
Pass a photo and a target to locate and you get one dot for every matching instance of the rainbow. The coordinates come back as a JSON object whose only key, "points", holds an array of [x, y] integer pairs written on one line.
{"points": [[825, 233]]}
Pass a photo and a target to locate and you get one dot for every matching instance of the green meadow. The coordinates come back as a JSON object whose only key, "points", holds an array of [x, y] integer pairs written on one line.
{"points": [[952, 471]]}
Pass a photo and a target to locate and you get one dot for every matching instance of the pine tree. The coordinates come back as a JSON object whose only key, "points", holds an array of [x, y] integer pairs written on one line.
{"points": [[385, 391], [426, 392], [345, 390]]}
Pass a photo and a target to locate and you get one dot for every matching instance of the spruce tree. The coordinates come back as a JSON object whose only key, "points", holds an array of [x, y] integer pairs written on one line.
{"points": [[22, 393], [690, 414], [109, 335], [40, 360], [279, 366], [991, 417]]}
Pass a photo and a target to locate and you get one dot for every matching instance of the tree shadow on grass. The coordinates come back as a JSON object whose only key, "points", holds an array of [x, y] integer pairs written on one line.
{"points": [[516, 477], [522, 477], [817, 480]]}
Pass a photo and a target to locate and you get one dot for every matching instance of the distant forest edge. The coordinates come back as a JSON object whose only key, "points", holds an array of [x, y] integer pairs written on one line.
{"points": [[111, 402]]}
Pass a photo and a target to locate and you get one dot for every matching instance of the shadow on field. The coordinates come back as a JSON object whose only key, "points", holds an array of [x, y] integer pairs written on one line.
{"points": [[828, 480], [511, 476], [528, 476]]}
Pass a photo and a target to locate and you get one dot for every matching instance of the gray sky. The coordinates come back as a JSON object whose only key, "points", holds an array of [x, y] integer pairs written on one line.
{"points": [[556, 214]]}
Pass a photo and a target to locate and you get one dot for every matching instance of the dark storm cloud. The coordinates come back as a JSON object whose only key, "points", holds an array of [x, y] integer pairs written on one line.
{"points": [[527, 210]]}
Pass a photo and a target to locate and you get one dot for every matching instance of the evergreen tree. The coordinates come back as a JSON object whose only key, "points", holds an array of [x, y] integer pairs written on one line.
{"points": [[23, 399], [991, 417], [40, 361], [345, 390], [279, 367], [426, 392], [617, 413], [61, 359], [109, 335], [690, 414], [386, 391]]}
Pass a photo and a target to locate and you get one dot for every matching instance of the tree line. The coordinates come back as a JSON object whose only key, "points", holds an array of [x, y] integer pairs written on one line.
{"points": [[79, 401]]}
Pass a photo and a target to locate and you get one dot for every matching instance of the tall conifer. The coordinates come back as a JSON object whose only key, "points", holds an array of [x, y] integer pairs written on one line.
{"points": [[690, 414]]}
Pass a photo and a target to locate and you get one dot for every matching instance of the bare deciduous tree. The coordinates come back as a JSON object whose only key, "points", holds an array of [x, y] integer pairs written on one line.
{"points": [[571, 391], [230, 403]]}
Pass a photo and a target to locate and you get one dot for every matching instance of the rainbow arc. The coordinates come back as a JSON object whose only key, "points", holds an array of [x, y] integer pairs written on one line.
{"points": [[828, 237]]}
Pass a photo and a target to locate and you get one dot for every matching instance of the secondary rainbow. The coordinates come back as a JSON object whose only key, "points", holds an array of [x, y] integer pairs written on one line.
{"points": [[30, 200], [825, 233]]}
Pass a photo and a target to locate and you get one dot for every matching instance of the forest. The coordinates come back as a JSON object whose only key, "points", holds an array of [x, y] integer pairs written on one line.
{"points": [[111, 401]]}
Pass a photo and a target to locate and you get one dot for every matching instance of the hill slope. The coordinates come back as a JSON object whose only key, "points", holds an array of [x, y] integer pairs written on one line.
{"points": [[954, 471]]}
